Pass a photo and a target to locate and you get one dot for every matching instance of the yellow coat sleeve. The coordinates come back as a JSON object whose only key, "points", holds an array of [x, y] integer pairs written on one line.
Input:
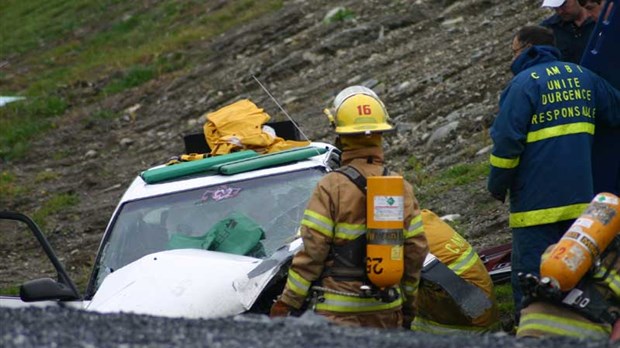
{"points": [[416, 248], [317, 231]]}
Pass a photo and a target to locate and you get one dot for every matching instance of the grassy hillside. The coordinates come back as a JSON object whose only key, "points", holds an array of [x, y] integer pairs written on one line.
{"points": [[48, 46]]}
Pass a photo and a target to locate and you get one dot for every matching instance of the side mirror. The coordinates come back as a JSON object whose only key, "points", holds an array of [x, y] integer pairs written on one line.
{"points": [[46, 289]]}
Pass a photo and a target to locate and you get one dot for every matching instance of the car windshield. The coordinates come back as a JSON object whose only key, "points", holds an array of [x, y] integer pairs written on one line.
{"points": [[252, 217]]}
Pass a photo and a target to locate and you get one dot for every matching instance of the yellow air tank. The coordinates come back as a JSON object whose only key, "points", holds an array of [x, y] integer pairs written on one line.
{"points": [[583, 243], [385, 238]]}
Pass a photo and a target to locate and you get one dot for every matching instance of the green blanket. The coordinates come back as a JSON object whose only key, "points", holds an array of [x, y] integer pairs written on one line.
{"points": [[236, 234]]}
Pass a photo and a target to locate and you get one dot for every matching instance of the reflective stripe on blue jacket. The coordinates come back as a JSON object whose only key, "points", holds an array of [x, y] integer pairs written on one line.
{"points": [[543, 137]]}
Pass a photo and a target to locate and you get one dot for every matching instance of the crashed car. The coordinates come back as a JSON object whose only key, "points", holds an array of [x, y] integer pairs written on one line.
{"points": [[196, 239]]}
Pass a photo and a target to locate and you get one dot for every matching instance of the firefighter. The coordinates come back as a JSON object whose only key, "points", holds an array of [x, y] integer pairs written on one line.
{"points": [[331, 268], [553, 317], [578, 293], [439, 312], [542, 145]]}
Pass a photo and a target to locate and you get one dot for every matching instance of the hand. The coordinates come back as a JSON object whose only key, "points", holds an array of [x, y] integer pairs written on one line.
{"points": [[280, 309]]}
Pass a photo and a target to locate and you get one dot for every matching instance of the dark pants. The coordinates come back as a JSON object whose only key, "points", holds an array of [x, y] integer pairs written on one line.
{"points": [[528, 245], [606, 160]]}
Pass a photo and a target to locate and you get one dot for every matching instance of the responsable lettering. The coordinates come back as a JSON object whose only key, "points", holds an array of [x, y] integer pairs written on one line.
{"points": [[567, 112]]}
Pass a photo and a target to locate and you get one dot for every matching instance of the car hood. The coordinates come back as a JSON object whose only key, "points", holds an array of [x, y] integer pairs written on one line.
{"points": [[189, 283]]}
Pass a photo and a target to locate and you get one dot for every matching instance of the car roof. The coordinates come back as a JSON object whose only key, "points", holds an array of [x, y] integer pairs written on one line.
{"points": [[140, 189]]}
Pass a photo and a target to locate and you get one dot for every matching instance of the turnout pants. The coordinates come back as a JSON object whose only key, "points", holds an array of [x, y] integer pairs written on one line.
{"points": [[528, 245]]}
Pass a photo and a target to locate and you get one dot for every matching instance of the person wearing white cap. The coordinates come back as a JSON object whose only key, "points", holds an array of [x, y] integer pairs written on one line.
{"points": [[553, 3], [541, 133], [572, 27]]}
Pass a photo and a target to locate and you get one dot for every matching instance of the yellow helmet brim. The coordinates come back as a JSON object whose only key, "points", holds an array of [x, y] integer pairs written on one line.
{"points": [[364, 128]]}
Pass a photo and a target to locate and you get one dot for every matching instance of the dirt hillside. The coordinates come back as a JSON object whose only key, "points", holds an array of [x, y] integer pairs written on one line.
{"points": [[438, 65]]}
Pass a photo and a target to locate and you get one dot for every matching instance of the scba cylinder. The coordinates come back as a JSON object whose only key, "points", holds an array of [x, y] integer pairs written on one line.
{"points": [[385, 237], [583, 243]]}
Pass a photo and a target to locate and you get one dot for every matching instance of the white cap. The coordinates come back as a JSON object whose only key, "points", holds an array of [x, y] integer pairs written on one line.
{"points": [[553, 3]]}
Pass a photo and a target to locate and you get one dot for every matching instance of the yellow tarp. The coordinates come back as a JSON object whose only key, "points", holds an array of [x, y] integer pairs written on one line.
{"points": [[239, 126]]}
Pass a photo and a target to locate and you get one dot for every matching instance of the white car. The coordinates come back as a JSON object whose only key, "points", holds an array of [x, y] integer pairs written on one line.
{"points": [[196, 240]]}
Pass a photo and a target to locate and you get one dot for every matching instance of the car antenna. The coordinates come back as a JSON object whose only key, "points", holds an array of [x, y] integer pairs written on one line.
{"points": [[282, 109]]}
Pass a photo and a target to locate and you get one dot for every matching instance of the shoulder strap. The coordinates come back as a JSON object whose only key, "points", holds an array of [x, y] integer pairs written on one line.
{"points": [[356, 177], [350, 258], [472, 301]]}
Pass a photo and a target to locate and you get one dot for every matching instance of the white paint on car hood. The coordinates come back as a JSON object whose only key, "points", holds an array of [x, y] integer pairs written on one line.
{"points": [[186, 283]]}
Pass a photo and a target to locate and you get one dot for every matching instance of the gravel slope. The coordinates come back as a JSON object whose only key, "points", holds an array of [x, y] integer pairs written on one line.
{"points": [[60, 327]]}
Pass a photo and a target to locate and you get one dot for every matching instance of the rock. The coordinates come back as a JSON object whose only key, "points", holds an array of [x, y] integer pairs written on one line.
{"points": [[451, 217], [451, 23], [484, 150], [337, 14], [442, 133], [90, 154], [350, 38], [126, 142]]}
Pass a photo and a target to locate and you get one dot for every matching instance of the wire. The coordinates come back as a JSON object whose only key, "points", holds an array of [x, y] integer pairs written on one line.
{"points": [[282, 109]]}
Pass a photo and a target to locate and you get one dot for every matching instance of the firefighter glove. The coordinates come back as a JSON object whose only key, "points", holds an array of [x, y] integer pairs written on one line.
{"points": [[280, 309], [408, 316]]}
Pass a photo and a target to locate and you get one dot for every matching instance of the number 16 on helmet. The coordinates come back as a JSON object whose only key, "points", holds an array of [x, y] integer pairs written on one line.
{"points": [[358, 110]]}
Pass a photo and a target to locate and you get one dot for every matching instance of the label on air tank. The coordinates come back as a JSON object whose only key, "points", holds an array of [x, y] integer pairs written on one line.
{"points": [[574, 257], [601, 198], [583, 222], [388, 208], [602, 212], [577, 234]]}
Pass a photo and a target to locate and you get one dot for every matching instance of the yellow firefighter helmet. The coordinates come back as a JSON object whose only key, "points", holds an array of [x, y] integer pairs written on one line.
{"points": [[359, 111]]}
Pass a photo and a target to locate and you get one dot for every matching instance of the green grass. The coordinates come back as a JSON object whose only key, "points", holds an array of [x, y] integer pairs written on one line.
{"points": [[135, 76], [463, 174], [22, 120], [46, 176], [104, 114], [505, 304], [8, 188], [54, 205], [10, 291], [54, 44], [416, 171], [64, 41], [429, 184], [341, 15]]}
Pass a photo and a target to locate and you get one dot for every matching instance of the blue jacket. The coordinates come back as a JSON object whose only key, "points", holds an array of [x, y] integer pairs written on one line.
{"points": [[543, 136]]}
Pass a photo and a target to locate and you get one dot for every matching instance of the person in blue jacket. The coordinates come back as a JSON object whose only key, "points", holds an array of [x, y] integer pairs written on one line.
{"points": [[606, 149], [542, 145]]}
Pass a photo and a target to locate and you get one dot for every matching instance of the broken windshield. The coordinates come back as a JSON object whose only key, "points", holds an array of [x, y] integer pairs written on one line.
{"points": [[252, 217]]}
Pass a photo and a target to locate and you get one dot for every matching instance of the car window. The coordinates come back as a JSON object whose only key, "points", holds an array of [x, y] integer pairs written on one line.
{"points": [[253, 217]]}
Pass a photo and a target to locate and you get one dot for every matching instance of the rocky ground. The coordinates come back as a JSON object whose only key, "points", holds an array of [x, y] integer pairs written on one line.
{"points": [[438, 65], [70, 328]]}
